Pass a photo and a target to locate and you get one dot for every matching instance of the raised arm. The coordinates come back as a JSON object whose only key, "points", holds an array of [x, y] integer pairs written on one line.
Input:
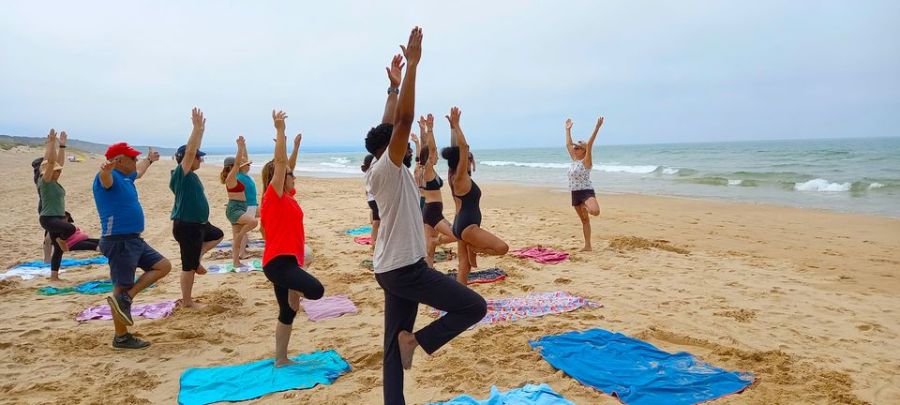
{"points": [[281, 161], [407, 100], [570, 146], [393, 72], [106, 178], [193, 144], [231, 178], [61, 148], [427, 125], [461, 181], [50, 155], [588, 163], [293, 162], [144, 164]]}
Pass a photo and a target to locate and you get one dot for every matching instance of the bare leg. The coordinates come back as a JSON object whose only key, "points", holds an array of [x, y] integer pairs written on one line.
{"points": [[482, 241], [282, 339], [236, 247], [462, 274], [246, 224], [158, 271], [430, 245], [48, 249], [375, 232], [592, 206], [585, 226], [408, 344], [445, 232], [187, 286], [207, 246]]}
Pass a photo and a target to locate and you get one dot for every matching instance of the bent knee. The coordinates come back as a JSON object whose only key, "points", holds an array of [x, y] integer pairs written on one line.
{"points": [[286, 315], [164, 266], [503, 249], [477, 310], [315, 291]]}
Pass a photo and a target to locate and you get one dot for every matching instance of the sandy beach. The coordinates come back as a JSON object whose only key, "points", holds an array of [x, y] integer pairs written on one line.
{"points": [[807, 300]]}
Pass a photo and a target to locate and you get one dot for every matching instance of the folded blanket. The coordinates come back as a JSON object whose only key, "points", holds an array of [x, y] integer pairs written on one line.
{"points": [[90, 287], [150, 311], [363, 230], [482, 276], [253, 244], [228, 267], [242, 382], [30, 270], [363, 240], [541, 254], [328, 307], [530, 394], [529, 306], [635, 371]]}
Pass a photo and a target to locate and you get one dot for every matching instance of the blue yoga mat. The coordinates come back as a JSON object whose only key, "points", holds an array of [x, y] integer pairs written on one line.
{"points": [[636, 371], [530, 394], [89, 287], [363, 230], [67, 262], [252, 380]]}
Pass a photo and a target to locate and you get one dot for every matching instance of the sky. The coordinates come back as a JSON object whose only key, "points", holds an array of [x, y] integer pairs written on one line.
{"points": [[659, 71]]}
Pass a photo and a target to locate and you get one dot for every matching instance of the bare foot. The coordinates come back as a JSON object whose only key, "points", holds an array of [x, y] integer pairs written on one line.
{"points": [[294, 299], [62, 244], [191, 304], [586, 249], [237, 264], [201, 270], [284, 363], [407, 342]]}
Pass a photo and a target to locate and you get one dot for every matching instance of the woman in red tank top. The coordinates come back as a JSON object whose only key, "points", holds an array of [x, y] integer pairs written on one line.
{"points": [[282, 218]]}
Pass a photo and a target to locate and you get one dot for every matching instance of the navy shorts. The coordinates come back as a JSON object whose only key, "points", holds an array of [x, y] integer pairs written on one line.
{"points": [[126, 253]]}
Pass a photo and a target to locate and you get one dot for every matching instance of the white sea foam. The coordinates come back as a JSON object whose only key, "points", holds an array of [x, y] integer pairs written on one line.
{"points": [[735, 182], [525, 164], [875, 185], [821, 185], [626, 169], [341, 160], [670, 170]]}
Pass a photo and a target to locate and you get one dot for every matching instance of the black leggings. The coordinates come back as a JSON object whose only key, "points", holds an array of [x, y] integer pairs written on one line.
{"points": [[57, 227], [87, 244], [286, 274]]}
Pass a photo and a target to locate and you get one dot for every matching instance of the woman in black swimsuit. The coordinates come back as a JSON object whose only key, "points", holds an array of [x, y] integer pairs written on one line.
{"points": [[438, 230], [467, 224]]}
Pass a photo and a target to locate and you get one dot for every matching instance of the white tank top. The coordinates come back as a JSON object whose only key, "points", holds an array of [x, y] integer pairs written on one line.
{"points": [[579, 177]]}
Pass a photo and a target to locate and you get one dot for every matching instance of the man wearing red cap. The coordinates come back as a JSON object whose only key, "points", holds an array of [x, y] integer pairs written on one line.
{"points": [[122, 221]]}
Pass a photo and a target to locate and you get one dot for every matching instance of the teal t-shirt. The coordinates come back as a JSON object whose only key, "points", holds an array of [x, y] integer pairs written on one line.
{"points": [[249, 188], [190, 199], [53, 198]]}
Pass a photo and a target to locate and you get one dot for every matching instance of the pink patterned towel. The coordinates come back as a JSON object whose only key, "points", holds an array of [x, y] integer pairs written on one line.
{"points": [[363, 240], [541, 254], [150, 311], [328, 307], [529, 306]]}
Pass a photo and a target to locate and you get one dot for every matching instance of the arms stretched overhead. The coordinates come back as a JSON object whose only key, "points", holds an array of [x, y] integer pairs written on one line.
{"points": [[50, 155], [393, 72], [293, 162], [144, 164], [281, 161], [461, 181], [193, 144], [231, 178], [588, 162], [407, 100]]}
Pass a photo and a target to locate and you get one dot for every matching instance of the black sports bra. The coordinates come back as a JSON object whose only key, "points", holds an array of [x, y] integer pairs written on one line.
{"points": [[434, 184]]}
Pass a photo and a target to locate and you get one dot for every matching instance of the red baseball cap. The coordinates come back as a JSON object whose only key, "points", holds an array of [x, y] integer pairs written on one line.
{"points": [[121, 148]]}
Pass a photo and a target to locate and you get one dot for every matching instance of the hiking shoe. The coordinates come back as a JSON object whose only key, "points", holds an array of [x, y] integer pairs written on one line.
{"points": [[121, 308], [127, 341]]}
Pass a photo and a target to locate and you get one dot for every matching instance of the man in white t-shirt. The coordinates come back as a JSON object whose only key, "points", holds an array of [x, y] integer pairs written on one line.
{"points": [[399, 259]]}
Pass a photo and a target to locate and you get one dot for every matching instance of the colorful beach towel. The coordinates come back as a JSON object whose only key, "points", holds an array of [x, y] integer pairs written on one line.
{"points": [[228, 267], [363, 230], [30, 270], [252, 244], [90, 287], [150, 311], [541, 254], [530, 306], [635, 371], [328, 307], [482, 276], [252, 380], [530, 394], [363, 240]]}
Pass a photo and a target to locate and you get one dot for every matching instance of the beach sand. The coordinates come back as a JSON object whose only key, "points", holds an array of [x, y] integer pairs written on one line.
{"points": [[805, 299]]}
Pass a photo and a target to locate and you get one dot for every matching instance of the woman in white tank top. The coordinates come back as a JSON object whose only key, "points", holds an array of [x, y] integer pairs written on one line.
{"points": [[584, 199]]}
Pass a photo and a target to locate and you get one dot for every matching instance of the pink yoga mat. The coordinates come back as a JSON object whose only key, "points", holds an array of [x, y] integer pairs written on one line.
{"points": [[541, 254], [328, 307], [150, 311]]}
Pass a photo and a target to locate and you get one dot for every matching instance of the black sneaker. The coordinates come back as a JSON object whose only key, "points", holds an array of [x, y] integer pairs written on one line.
{"points": [[121, 308], [127, 341]]}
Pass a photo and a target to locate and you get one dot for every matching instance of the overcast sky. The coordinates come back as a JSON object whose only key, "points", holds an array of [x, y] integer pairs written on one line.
{"points": [[660, 71]]}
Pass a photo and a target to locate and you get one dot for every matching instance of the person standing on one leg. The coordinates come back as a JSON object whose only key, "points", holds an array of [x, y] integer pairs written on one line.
{"points": [[190, 213], [242, 220], [583, 198], [122, 221], [399, 263]]}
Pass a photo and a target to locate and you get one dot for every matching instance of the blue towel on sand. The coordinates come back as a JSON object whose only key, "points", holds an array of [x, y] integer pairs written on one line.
{"points": [[90, 287], [636, 371], [530, 394], [252, 380], [363, 230], [67, 262]]}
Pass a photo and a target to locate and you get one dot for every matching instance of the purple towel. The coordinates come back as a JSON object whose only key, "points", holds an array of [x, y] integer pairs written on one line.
{"points": [[150, 311], [328, 307]]}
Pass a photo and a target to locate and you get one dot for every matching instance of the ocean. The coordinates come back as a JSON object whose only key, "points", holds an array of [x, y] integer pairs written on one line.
{"points": [[852, 175]]}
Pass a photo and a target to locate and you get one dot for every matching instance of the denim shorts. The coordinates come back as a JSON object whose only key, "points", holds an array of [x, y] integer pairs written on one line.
{"points": [[126, 253]]}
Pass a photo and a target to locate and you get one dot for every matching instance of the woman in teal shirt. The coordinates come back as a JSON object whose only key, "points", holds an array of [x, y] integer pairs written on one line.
{"points": [[53, 200]]}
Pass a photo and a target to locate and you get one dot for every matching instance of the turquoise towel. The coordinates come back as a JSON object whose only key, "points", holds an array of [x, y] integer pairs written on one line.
{"points": [[252, 380], [530, 394], [90, 287], [67, 262], [363, 230]]}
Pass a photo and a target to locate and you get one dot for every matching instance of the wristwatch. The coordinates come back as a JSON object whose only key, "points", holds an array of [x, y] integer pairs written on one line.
{"points": [[395, 90]]}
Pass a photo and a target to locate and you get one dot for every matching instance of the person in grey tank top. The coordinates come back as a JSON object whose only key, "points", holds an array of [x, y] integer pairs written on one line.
{"points": [[584, 200]]}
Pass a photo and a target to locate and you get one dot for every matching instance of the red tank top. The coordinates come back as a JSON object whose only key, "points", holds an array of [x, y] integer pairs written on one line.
{"points": [[237, 189], [282, 219]]}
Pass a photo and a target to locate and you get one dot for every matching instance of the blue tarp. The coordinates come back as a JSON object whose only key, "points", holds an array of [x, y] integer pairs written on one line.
{"points": [[67, 262], [530, 394], [363, 230], [636, 371], [252, 380]]}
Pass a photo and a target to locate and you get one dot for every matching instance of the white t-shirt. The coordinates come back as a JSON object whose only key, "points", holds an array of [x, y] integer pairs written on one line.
{"points": [[401, 236]]}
